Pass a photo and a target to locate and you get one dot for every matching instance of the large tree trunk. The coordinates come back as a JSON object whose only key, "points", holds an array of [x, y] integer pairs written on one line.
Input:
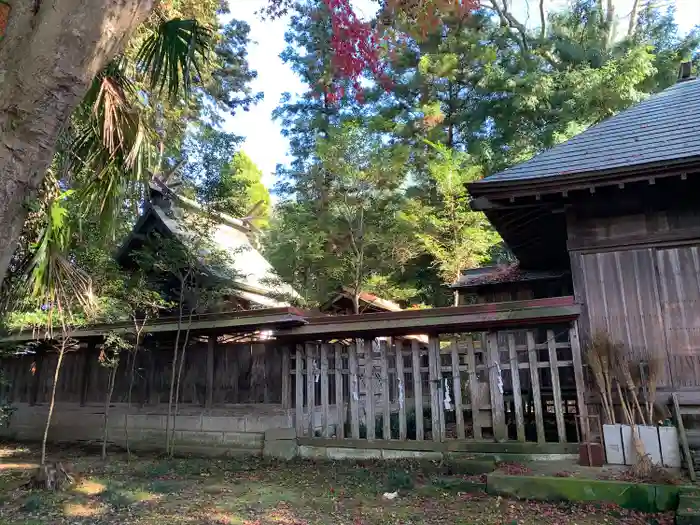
{"points": [[50, 53]]}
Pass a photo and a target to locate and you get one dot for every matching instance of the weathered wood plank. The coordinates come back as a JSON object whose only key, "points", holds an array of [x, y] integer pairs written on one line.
{"points": [[457, 389], [369, 388], [299, 387], [211, 345], [325, 409], [684, 438], [556, 387], [535, 386], [515, 379], [473, 386], [339, 405], [434, 377], [417, 389], [582, 409], [354, 393], [386, 402], [496, 387], [310, 386], [286, 378], [400, 388], [89, 360]]}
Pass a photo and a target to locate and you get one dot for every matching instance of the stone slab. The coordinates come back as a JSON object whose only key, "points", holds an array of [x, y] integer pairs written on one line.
{"points": [[308, 452], [462, 464], [243, 439], [411, 454], [277, 434], [688, 512], [283, 449], [636, 496], [198, 438], [339, 453]]}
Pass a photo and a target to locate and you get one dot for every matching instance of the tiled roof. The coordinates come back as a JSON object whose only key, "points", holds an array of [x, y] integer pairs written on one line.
{"points": [[662, 128]]}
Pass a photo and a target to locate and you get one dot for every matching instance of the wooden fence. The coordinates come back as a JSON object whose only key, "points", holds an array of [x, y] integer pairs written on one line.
{"points": [[439, 387]]}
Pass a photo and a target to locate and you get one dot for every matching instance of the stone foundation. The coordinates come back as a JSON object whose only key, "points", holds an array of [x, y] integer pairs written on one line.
{"points": [[239, 429]]}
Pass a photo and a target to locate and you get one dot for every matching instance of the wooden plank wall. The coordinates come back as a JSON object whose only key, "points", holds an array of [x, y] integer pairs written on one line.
{"points": [[507, 385], [240, 373], [638, 278]]}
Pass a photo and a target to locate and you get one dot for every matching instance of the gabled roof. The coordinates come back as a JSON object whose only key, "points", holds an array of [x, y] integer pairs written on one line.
{"points": [[662, 129], [247, 271], [369, 301]]}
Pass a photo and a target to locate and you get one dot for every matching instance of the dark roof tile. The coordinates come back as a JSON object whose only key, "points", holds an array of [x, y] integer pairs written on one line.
{"points": [[664, 127]]}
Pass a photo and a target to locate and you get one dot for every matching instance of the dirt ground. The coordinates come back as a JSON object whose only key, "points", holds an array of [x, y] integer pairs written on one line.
{"points": [[148, 490]]}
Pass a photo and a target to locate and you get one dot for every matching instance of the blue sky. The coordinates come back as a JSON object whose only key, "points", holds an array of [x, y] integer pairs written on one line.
{"points": [[264, 142]]}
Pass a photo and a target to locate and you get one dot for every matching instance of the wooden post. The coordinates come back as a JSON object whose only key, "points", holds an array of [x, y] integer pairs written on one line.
{"points": [[556, 387], [339, 404], [401, 389], [209, 389], [88, 363], [417, 389], [582, 409], [299, 387], [434, 375], [39, 365], [498, 415], [369, 387], [310, 386], [325, 411], [473, 387], [286, 378], [457, 389], [515, 380], [386, 406], [535, 385], [354, 391]]}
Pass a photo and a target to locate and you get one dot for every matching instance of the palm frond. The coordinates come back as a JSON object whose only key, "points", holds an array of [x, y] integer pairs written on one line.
{"points": [[50, 279], [170, 56]]}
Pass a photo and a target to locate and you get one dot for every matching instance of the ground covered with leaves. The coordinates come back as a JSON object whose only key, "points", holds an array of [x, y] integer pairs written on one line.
{"points": [[252, 491]]}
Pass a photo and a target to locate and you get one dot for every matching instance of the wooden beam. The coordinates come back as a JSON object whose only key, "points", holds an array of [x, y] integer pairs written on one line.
{"points": [[299, 387], [211, 345], [515, 382], [496, 387], [417, 389], [354, 387], [457, 388], [401, 388], [339, 404], [286, 378], [535, 386]]}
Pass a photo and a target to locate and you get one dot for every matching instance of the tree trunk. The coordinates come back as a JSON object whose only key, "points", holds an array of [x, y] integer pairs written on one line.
{"points": [[52, 403], [108, 401], [139, 331], [48, 58], [177, 384]]}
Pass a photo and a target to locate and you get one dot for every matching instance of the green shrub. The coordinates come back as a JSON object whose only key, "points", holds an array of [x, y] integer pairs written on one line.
{"points": [[399, 480]]}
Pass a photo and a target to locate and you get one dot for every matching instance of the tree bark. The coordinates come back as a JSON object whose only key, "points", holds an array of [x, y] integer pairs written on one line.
{"points": [[49, 56], [52, 403], [108, 402]]}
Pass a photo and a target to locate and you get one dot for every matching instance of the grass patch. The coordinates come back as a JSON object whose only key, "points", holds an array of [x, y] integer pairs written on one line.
{"points": [[34, 502]]}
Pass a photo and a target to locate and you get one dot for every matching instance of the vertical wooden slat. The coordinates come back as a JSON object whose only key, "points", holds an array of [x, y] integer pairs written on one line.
{"points": [[325, 426], [299, 401], [535, 382], [90, 359], [434, 377], [339, 405], [457, 389], [401, 389], [286, 378], [473, 387], [556, 387], [515, 380], [209, 400], [582, 409], [370, 417], [386, 406], [354, 393], [310, 386], [417, 389], [496, 387]]}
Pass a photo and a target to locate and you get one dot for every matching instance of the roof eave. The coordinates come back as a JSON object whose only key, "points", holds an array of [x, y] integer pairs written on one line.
{"points": [[572, 181]]}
